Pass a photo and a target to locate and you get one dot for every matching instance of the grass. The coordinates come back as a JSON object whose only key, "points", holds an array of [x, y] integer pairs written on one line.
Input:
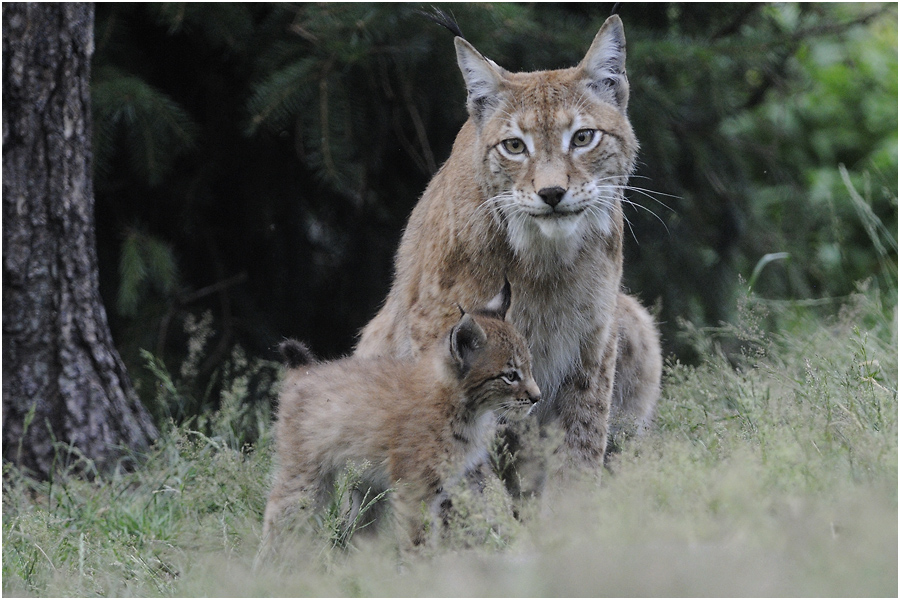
{"points": [[772, 470]]}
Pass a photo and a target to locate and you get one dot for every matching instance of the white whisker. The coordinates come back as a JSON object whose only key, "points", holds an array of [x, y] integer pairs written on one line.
{"points": [[500, 202], [631, 229], [641, 206], [650, 194]]}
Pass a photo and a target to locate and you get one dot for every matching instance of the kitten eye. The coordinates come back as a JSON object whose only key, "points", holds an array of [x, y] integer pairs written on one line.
{"points": [[511, 377], [583, 137], [514, 146]]}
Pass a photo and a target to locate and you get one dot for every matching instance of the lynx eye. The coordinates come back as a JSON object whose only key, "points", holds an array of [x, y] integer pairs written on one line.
{"points": [[511, 377], [583, 137], [514, 146]]}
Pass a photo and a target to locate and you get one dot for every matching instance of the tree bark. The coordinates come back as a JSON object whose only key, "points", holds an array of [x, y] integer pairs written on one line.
{"points": [[63, 380]]}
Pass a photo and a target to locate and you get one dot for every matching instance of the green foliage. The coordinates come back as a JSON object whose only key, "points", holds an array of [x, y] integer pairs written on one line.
{"points": [[772, 476], [128, 533], [246, 390], [338, 524], [818, 391], [290, 142], [341, 85], [830, 142], [145, 124], [747, 119], [224, 27], [145, 263]]}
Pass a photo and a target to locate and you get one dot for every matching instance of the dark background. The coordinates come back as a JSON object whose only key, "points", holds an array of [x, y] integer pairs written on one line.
{"points": [[257, 162]]}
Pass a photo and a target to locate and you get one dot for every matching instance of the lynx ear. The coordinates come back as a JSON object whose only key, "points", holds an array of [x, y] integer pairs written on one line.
{"points": [[483, 79], [499, 304], [604, 64], [466, 338]]}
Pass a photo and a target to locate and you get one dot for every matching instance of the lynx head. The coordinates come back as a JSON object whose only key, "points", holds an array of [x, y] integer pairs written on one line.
{"points": [[491, 361], [554, 148]]}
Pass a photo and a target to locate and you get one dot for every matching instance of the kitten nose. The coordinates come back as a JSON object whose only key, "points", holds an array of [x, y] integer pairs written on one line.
{"points": [[533, 392], [551, 195]]}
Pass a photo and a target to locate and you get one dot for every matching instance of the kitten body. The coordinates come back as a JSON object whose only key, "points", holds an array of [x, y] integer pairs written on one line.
{"points": [[414, 426]]}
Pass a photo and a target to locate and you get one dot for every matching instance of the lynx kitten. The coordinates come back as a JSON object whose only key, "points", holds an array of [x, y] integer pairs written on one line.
{"points": [[416, 424]]}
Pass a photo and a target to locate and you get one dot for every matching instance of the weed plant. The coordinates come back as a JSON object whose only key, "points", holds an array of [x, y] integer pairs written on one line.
{"points": [[772, 470]]}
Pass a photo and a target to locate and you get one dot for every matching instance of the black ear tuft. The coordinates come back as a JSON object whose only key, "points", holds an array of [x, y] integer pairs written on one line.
{"points": [[467, 338], [295, 354], [443, 19]]}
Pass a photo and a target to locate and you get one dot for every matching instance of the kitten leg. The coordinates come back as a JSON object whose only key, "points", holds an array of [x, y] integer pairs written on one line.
{"points": [[522, 461], [413, 523], [300, 491], [304, 492]]}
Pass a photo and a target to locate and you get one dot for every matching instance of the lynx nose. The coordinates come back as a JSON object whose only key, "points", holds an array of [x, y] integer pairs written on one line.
{"points": [[551, 195]]}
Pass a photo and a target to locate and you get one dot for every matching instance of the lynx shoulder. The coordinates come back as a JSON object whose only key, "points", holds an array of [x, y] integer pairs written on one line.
{"points": [[533, 191], [413, 425]]}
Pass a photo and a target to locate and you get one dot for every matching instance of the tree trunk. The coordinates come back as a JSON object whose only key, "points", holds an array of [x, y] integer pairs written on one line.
{"points": [[63, 380]]}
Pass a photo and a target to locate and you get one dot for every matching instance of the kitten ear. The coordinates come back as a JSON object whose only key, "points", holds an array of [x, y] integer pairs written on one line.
{"points": [[499, 304], [466, 338], [483, 79], [604, 64]]}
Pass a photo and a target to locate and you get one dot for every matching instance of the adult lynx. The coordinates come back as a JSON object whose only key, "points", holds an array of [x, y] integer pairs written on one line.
{"points": [[533, 192], [416, 423]]}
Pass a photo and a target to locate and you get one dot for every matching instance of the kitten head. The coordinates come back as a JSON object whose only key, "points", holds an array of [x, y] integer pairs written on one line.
{"points": [[491, 361], [555, 147]]}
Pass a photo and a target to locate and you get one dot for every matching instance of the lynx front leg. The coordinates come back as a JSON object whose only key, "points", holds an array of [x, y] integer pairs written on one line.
{"points": [[583, 406]]}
